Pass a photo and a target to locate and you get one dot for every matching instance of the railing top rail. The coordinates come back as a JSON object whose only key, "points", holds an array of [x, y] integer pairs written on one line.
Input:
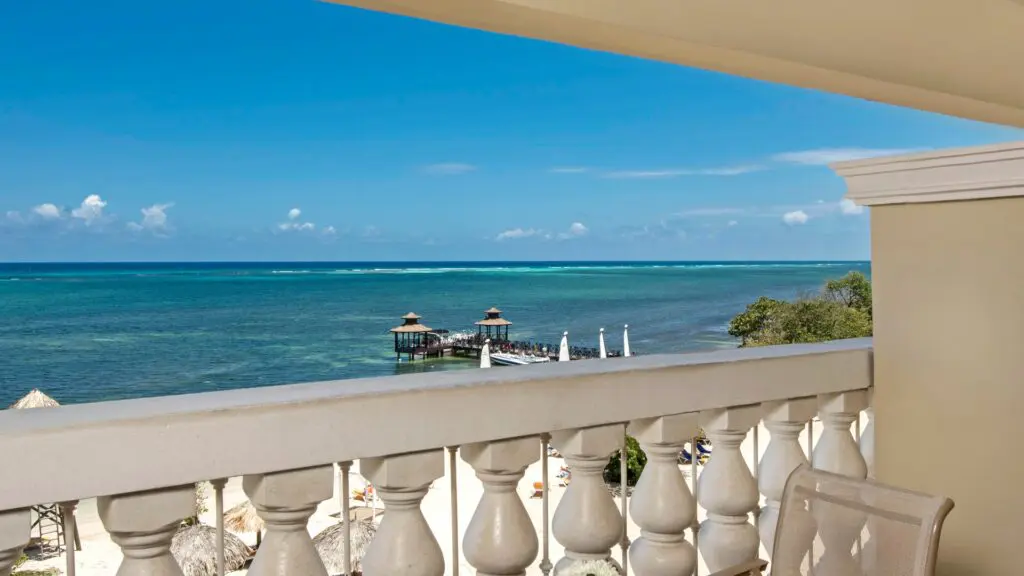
{"points": [[86, 450]]}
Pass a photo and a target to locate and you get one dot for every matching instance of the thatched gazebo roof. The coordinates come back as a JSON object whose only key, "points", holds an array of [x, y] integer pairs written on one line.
{"points": [[410, 325], [35, 399], [331, 546], [195, 549], [243, 518], [493, 318]]}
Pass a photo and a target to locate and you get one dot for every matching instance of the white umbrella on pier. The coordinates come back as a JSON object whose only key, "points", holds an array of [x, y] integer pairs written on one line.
{"points": [[485, 354], [563, 348], [625, 341], [604, 351]]}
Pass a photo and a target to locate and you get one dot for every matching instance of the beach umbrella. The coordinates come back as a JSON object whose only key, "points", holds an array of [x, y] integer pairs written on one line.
{"points": [[563, 348], [625, 341], [604, 351], [485, 354], [35, 399], [243, 518], [195, 549], [330, 545]]}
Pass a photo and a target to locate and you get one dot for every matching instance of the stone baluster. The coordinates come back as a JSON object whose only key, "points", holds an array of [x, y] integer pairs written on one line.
{"points": [[218, 511], [285, 501], [624, 501], [14, 535], [346, 517], [404, 544], [662, 505], [500, 539], [71, 537], [785, 420], [545, 561], [837, 451], [587, 522], [867, 437], [143, 524], [727, 490], [453, 467]]}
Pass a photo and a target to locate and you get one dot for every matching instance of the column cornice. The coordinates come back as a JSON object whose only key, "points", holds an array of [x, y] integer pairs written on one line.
{"points": [[982, 172]]}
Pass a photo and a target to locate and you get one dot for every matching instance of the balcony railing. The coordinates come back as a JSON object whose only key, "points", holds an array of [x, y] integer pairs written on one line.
{"points": [[142, 458]]}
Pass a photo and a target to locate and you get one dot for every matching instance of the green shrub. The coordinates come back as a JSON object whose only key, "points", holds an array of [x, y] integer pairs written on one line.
{"points": [[635, 462]]}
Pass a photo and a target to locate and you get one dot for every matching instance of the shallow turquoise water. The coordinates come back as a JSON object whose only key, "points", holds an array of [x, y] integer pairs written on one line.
{"points": [[90, 332]]}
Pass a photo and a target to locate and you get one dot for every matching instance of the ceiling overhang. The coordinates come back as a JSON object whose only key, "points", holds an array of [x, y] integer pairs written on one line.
{"points": [[958, 57]]}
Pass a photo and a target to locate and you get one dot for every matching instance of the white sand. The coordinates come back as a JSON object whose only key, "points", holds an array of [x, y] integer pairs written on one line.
{"points": [[100, 556]]}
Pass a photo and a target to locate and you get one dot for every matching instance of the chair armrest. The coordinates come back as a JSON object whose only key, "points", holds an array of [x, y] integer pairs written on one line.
{"points": [[752, 568]]}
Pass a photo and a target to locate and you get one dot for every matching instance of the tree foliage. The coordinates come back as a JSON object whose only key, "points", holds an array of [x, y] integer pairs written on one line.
{"points": [[852, 290], [841, 310], [635, 462]]}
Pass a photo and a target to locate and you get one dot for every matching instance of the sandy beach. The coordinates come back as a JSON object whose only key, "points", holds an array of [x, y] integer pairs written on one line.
{"points": [[99, 556]]}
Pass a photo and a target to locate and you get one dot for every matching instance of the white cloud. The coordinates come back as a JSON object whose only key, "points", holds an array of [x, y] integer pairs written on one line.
{"points": [[517, 233], [732, 223], [795, 217], [849, 208], [824, 156], [14, 215], [330, 231], [667, 229], [676, 172], [576, 229], [729, 171], [91, 209], [154, 218], [47, 211], [569, 169], [296, 226], [448, 168], [293, 222]]}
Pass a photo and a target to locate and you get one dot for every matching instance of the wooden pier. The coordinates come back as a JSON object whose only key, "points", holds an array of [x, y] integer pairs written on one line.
{"points": [[414, 340]]}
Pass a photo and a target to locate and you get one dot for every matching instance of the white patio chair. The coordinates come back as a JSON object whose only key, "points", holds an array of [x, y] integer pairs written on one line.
{"points": [[848, 526]]}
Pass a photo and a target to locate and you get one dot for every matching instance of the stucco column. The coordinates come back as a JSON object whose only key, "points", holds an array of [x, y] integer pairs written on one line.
{"points": [[947, 234]]}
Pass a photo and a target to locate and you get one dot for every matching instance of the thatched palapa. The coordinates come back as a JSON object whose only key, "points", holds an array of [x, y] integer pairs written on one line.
{"points": [[411, 325], [243, 518], [330, 544], [35, 399], [493, 318], [491, 325], [195, 549]]}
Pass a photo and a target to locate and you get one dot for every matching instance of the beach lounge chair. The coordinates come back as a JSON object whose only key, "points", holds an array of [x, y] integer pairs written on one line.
{"points": [[857, 526]]}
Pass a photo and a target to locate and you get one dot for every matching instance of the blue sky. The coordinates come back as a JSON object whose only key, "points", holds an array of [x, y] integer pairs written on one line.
{"points": [[293, 129]]}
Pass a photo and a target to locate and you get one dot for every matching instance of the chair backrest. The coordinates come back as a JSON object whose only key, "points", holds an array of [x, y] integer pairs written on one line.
{"points": [[845, 526]]}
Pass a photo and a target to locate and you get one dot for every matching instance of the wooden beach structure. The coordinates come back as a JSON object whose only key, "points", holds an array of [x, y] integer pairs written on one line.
{"points": [[417, 340], [51, 523], [493, 322], [414, 340]]}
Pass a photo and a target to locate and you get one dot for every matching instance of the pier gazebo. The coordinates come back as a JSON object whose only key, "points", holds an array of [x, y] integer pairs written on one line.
{"points": [[493, 322], [410, 337]]}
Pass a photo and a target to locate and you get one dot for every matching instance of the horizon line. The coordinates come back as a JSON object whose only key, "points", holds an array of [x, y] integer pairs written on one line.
{"points": [[598, 261]]}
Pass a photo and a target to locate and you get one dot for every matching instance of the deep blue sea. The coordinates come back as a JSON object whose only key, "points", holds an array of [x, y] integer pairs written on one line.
{"points": [[91, 332]]}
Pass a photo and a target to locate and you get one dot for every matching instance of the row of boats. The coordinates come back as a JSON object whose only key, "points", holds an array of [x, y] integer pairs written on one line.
{"points": [[487, 358]]}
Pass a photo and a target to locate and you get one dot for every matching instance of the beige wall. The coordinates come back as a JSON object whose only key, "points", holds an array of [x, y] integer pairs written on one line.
{"points": [[949, 369]]}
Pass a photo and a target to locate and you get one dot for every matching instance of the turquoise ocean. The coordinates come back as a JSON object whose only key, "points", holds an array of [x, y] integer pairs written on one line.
{"points": [[93, 332]]}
